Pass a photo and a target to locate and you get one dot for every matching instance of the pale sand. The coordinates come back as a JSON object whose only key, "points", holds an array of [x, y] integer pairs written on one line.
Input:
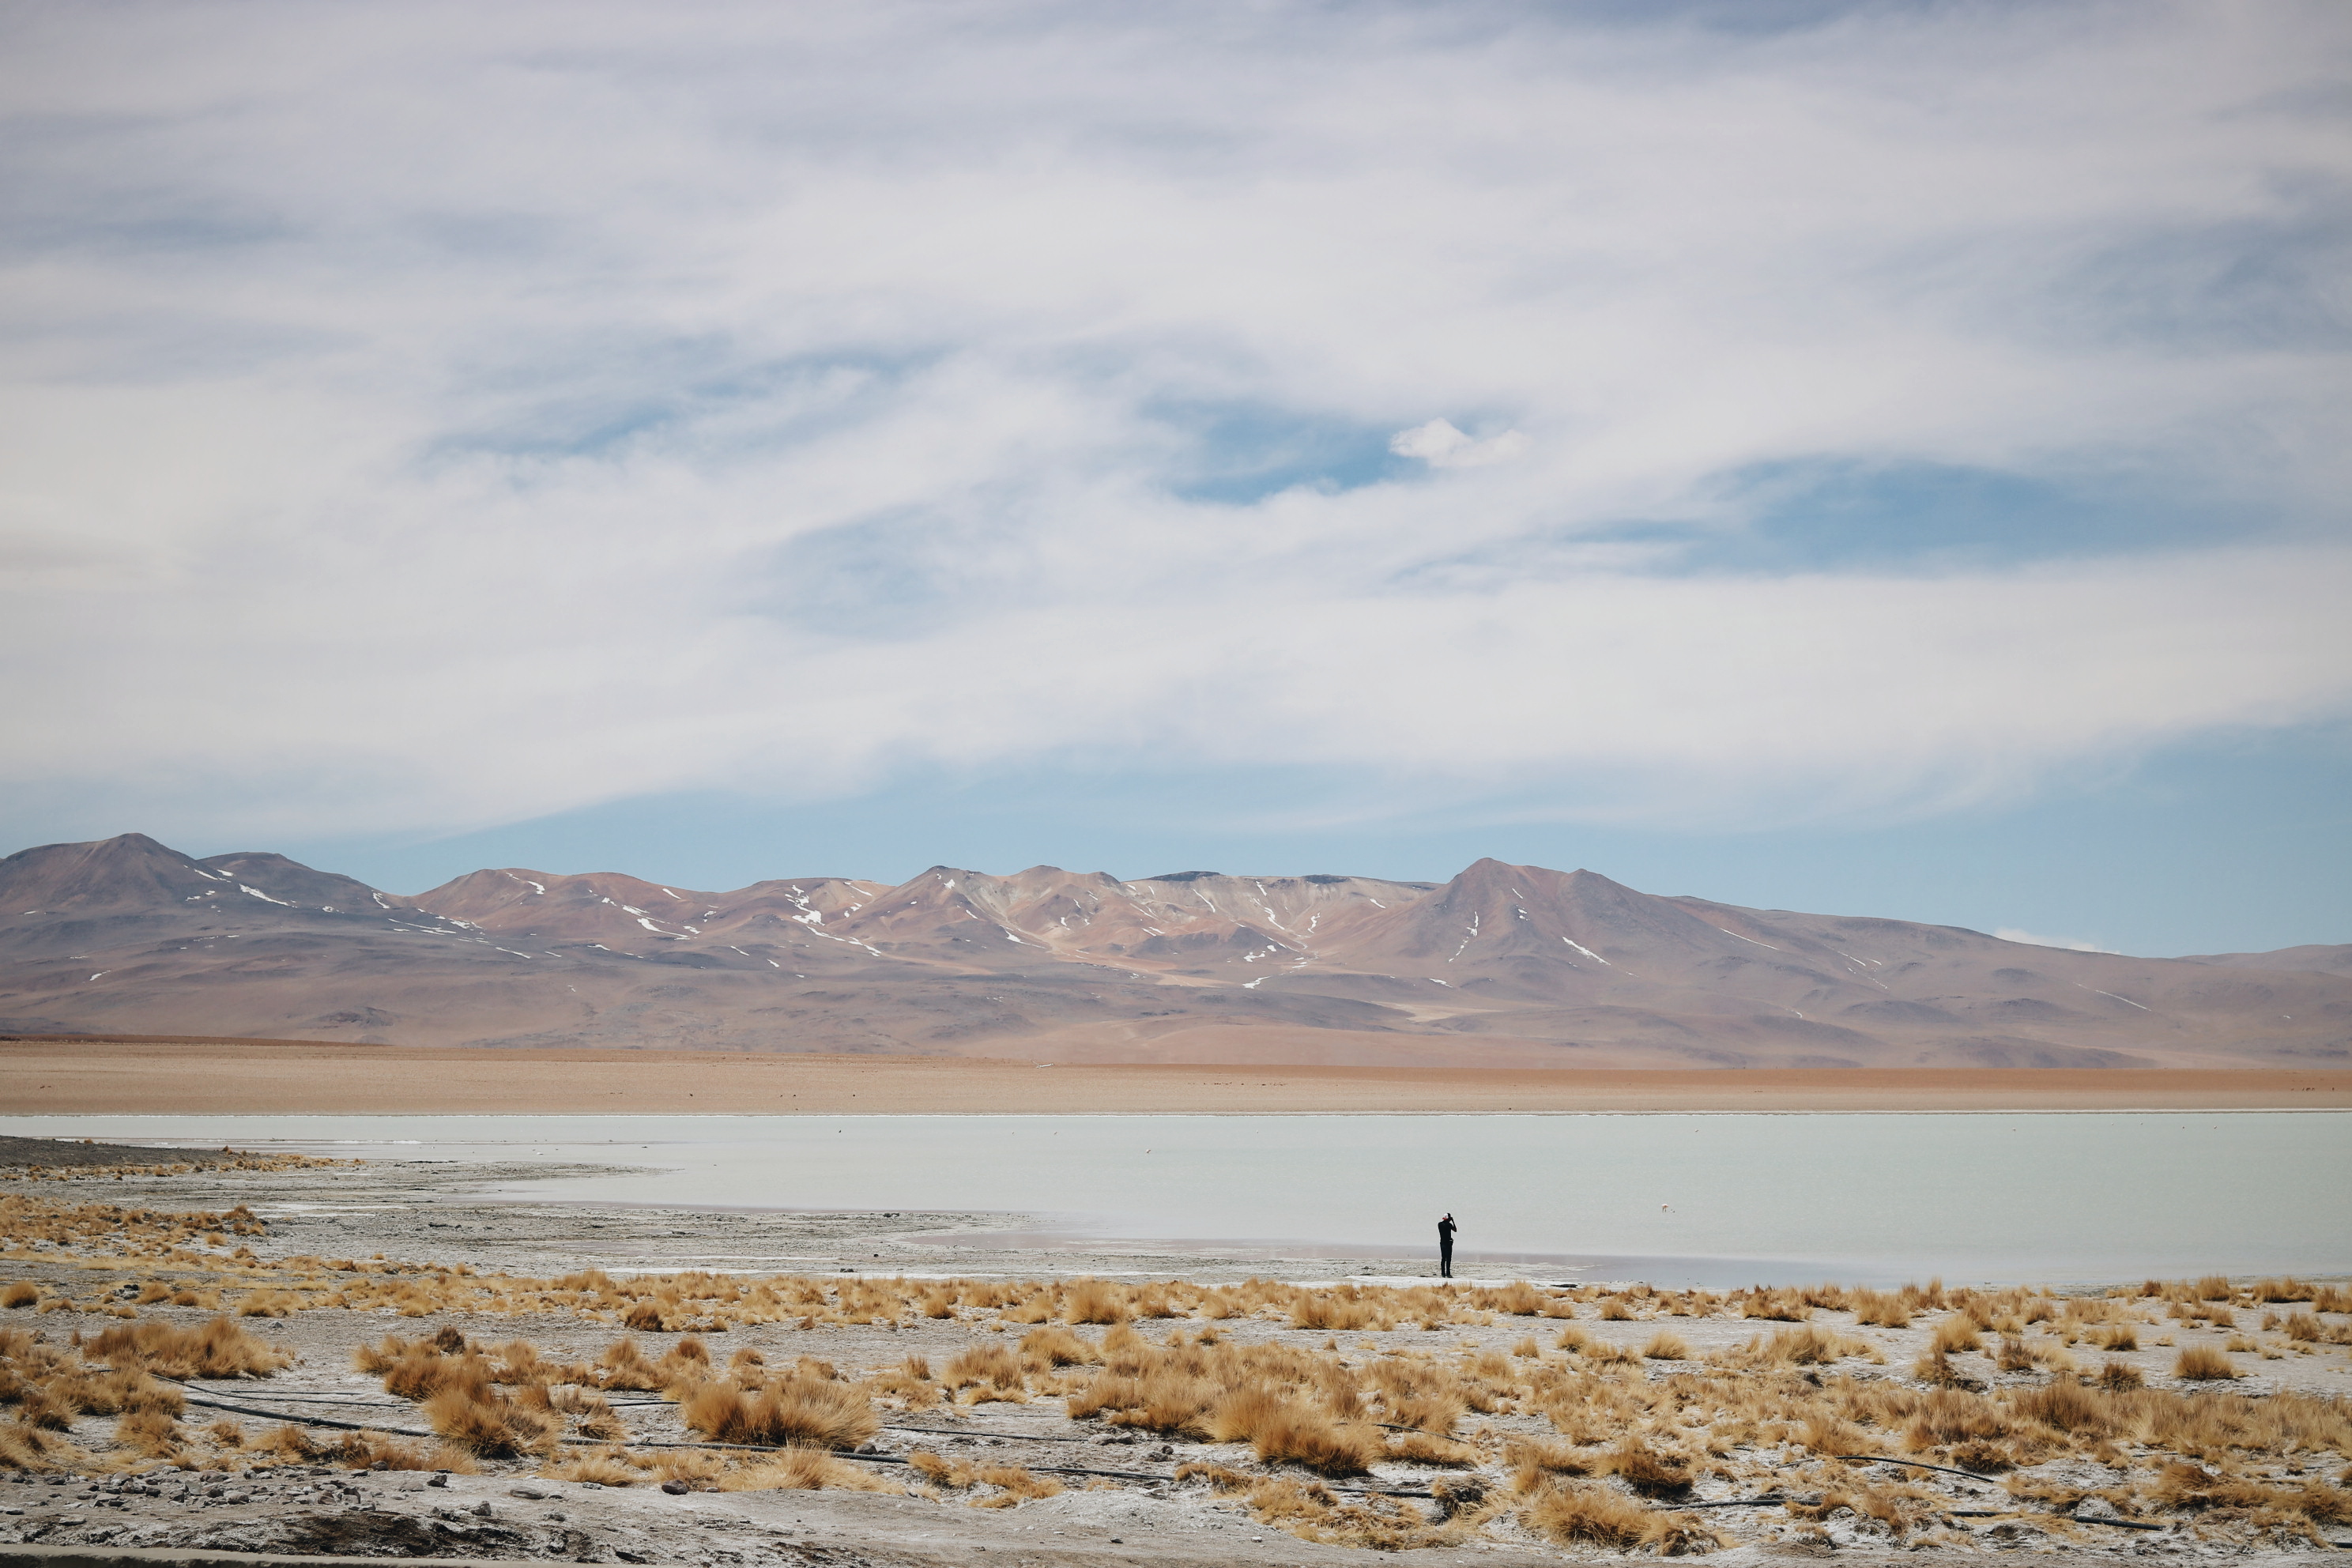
{"points": [[149, 1076]]}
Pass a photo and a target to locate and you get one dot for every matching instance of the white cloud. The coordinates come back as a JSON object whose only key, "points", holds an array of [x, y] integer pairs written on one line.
{"points": [[2072, 944], [419, 417], [1441, 446]]}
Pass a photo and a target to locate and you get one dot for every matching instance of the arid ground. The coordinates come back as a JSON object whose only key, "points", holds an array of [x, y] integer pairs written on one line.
{"points": [[282, 1355]]}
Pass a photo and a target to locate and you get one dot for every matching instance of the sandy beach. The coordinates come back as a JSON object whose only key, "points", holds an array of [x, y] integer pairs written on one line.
{"points": [[147, 1075]]}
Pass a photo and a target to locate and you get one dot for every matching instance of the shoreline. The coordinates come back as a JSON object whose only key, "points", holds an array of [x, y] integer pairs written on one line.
{"points": [[111, 1076]]}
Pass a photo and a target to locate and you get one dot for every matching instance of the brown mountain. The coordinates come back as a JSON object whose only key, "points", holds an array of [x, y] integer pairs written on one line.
{"points": [[1503, 964], [2317, 959]]}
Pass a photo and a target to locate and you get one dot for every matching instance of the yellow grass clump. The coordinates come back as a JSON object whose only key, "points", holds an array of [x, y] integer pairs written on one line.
{"points": [[1955, 1333], [1579, 1513], [219, 1349], [2117, 1375], [1809, 1345], [989, 1371], [1014, 1484], [1312, 1511], [796, 1409], [1647, 1471], [605, 1466], [804, 1471], [1094, 1301], [1290, 1430], [1054, 1347], [2203, 1364], [1421, 1448], [1881, 1309], [475, 1418]]}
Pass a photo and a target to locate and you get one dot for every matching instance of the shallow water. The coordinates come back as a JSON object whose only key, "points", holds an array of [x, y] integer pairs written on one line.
{"points": [[1715, 1199]]}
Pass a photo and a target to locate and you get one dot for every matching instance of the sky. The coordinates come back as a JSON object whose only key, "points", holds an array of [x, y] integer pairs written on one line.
{"points": [[1870, 458]]}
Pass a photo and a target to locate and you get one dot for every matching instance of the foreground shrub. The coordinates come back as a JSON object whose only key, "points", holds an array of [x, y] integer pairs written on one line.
{"points": [[2203, 1364], [798, 1409]]}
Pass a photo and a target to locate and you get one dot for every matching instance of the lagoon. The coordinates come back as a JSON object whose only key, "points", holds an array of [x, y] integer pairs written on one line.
{"points": [[1705, 1199]]}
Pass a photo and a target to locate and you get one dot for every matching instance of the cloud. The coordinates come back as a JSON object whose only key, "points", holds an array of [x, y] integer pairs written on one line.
{"points": [[2072, 944], [419, 420], [1441, 446]]}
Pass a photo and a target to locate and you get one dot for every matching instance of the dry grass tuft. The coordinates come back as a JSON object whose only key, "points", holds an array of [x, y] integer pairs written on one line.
{"points": [[2203, 1364], [2116, 1376], [1665, 1345], [605, 1466], [1984, 1458], [1288, 1431], [808, 1411], [1955, 1333], [1051, 1347], [1532, 1462], [20, 1293], [1951, 1415], [24, 1447], [2066, 1405], [1882, 1308], [479, 1420], [1014, 1483], [2192, 1488], [1333, 1311], [375, 1451], [1644, 1469], [1583, 1514], [1421, 1448], [1775, 1306], [219, 1349], [993, 1370], [1094, 1301], [804, 1470], [153, 1433], [1519, 1298], [1805, 1346]]}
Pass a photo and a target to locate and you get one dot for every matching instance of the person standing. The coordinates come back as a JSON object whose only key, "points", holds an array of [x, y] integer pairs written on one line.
{"points": [[1446, 1247]]}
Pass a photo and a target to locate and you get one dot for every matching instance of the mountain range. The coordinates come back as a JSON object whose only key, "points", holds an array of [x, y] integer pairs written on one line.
{"points": [[1504, 965]]}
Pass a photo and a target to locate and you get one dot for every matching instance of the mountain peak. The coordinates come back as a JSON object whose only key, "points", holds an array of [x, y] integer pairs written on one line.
{"points": [[127, 870]]}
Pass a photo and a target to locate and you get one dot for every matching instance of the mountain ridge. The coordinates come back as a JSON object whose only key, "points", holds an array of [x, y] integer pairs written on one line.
{"points": [[1501, 964]]}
